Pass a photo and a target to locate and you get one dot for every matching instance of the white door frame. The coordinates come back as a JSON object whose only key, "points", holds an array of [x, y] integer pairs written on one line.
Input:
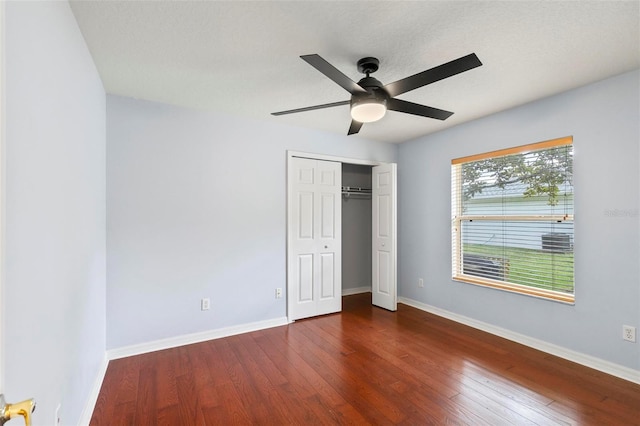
{"points": [[2, 191], [313, 156]]}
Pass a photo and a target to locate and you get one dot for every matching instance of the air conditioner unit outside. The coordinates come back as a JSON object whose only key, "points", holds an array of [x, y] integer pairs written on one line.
{"points": [[556, 242]]}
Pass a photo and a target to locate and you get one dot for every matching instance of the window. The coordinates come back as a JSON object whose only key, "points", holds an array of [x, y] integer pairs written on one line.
{"points": [[512, 219]]}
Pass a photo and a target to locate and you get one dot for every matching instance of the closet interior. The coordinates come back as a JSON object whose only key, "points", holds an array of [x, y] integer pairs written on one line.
{"points": [[356, 228]]}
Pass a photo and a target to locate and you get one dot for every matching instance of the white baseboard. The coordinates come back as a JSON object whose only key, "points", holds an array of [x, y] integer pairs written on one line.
{"points": [[356, 290], [587, 360], [188, 339], [87, 412]]}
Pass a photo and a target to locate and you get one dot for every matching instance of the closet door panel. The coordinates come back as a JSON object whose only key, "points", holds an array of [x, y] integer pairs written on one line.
{"points": [[384, 242], [315, 238], [305, 278], [327, 279]]}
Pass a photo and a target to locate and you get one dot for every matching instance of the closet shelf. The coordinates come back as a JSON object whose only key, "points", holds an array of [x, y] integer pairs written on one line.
{"points": [[349, 191]]}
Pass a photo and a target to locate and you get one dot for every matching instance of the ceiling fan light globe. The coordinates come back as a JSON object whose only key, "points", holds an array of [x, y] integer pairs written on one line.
{"points": [[368, 112]]}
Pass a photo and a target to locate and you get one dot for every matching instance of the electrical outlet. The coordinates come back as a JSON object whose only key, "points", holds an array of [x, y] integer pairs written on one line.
{"points": [[278, 293], [629, 333], [420, 282], [205, 304]]}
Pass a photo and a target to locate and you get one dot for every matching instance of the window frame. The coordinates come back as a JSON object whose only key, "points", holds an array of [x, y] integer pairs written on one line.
{"points": [[457, 218]]}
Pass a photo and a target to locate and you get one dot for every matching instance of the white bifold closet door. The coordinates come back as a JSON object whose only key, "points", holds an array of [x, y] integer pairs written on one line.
{"points": [[384, 238], [315, 243]]}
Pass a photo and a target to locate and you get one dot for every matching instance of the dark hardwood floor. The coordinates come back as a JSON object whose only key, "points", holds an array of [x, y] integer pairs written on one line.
{"points": [[362, 366]]}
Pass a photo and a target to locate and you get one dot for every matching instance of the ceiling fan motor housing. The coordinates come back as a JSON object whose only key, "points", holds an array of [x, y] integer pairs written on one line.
{"points": [[375, 92]]}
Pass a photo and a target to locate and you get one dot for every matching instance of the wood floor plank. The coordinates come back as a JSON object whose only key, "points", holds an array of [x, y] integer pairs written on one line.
{"points": [[204, 385], [271, 394], [167, 393], [147, 396], [169, 415], [260, 357], [303, 381], [418, 384], [389, 375], [510, 411], [230, 411], [300, 375], [123, 414], [118, 393], [244, 383], [408, 357], [363, 366], [344, 379], [535, 404]]}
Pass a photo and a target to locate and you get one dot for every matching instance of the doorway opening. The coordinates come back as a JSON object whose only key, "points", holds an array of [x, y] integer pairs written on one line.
{"points": [[356, 229], [341, 233]]}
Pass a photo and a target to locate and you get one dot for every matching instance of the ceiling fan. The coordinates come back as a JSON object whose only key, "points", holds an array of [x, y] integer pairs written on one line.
{"points": [[370, 100]]}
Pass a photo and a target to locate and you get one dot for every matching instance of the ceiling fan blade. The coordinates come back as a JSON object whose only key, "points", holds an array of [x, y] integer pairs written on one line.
{"points": [[354, 128], [311, 108], [333, 73], [417, 109], [434, 74]]}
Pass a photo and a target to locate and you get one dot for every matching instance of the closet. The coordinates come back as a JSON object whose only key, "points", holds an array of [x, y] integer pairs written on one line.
{"points": [[341, 233]]}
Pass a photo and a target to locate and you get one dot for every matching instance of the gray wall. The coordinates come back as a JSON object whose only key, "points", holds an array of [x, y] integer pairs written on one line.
{"points": [[603, 119], [196, 207], [356, 229], [54, 236]]}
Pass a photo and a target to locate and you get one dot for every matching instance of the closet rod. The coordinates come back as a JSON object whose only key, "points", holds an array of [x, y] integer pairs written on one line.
{"points": [[356, 189], [349, 191]]}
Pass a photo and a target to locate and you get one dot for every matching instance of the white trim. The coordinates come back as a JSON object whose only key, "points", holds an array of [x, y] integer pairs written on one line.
{"points": [[189, 339], [617, 370], [85, 417], [345, 160], [3, 28], [356, 290], [289, 236]]}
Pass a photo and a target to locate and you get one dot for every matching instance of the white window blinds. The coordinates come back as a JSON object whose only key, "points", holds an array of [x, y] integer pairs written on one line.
{"points": [[512, 219]]}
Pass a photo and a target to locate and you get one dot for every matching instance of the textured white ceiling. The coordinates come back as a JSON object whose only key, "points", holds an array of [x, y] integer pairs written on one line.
{"points": [[242, 57]]}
